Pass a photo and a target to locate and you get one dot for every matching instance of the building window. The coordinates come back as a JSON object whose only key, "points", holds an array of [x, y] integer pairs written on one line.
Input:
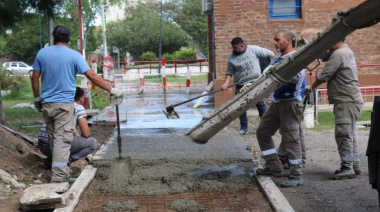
{"points": [[285, 9]]}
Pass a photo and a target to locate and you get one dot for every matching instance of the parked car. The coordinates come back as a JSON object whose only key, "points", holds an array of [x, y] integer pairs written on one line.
{"points": [[17, 67], [5, 64]]}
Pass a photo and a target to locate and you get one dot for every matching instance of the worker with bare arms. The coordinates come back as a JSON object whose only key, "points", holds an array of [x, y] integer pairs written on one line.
{"points": [[283, 112], [57, 66], [243, 64]]}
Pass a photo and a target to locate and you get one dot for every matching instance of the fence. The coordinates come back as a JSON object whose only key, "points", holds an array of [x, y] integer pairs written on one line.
{"points": [[369, 89]]}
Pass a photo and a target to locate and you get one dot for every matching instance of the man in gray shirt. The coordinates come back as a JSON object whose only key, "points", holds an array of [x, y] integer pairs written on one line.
{"points": [[343, 91], [243, 64]]}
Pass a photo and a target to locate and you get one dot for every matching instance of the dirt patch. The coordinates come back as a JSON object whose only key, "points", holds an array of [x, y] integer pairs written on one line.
{"points": [[22, 160]]}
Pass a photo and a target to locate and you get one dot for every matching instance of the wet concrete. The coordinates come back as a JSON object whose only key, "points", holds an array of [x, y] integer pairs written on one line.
{"points": [[163, 159]]}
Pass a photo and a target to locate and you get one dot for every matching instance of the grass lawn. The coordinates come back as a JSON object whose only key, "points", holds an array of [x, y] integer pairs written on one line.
{"points": [[25, 119]]}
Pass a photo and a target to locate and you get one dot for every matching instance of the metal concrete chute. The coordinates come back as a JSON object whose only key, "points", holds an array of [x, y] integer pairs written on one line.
{"points": [[364, 15]]}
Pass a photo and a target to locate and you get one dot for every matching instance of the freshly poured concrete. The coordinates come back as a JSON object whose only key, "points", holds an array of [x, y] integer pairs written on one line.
{"points": [[163, 159]]}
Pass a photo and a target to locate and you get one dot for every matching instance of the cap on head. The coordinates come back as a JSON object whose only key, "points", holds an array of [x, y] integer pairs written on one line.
{"points": [[237, 40], [61, 33]]}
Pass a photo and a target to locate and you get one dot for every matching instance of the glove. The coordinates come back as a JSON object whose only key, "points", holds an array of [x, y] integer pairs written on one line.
{"points": [[307, 89], [117, 92], [37, 104], [245, 87], [268, 69]]}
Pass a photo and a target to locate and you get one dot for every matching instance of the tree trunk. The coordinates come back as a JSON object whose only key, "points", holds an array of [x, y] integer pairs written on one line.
{"points": [[1, 108]]}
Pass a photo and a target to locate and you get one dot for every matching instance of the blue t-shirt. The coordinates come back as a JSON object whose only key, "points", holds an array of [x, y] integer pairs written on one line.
{"points": [[58, 66]]}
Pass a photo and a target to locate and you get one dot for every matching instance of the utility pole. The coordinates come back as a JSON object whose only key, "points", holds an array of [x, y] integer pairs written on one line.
{"points": [[160, 45], [104, 31], [81, 28]]}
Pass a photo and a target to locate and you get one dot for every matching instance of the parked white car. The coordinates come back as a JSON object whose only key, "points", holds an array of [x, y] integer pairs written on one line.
{"points": [[17, 67]]}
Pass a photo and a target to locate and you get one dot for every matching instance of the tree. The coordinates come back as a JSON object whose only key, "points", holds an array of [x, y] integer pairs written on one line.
{"points": [[24, 43], [10, 12], [139, 32], [189, 17]]}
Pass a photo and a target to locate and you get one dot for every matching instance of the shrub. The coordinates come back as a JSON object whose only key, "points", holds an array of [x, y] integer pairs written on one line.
{"points": [[185, 54], [168, 56], [13, 83], [148, 56]]}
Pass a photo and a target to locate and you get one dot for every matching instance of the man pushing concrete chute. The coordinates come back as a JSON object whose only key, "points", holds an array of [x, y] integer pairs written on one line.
{"points": [[364, 15]]}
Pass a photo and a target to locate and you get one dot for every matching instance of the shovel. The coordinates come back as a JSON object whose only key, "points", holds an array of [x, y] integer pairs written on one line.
{"points": [[125, 163], [172, 114]]}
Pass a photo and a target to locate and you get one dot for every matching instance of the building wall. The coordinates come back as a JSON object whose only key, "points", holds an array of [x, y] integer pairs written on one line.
{"points": [[249, 20]]}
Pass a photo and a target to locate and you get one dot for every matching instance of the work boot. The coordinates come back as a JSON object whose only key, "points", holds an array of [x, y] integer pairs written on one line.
{"points": [[243, 131], [291, 182], [269, 172], [344, 173], [284, 161], [357, 170]]}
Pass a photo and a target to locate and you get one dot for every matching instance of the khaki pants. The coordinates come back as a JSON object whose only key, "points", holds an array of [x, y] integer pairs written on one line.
{"points": [[285, 115], [346, 116], [282, 153], [60, 125]]}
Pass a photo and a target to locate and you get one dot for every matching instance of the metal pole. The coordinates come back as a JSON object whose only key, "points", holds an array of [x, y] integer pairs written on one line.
{"points": [[39, 21], [80, 28], [50, 31], [160, 45], [104, 31]]}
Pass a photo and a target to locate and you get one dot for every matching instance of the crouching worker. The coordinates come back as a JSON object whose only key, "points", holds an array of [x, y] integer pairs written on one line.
{"points": [[83, 145]]}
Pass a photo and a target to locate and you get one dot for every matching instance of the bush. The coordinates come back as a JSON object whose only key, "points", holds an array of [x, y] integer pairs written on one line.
{"points": [[148, 56], [168, 56], [185, 54], [13, 83]]}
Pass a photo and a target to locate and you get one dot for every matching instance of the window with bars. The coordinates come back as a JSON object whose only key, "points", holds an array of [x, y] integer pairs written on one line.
{"points": [[285, 9]]}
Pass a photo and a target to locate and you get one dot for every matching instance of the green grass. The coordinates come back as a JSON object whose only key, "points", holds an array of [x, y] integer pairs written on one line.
{"points": [[173, 78], [25, 117], [26, 120], [326, 120]]}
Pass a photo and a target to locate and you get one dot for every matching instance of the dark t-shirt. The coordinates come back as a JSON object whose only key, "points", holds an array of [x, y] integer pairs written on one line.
{"points": [[264, 62]]}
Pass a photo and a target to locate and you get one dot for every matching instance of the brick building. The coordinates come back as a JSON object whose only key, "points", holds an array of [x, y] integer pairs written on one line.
{"points": [[256, 23]]}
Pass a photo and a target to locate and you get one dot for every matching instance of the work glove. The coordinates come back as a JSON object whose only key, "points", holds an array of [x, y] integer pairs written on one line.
{"points": [[117, 92], [268, 69], [37, 104], [307, 89], [245, 87]]}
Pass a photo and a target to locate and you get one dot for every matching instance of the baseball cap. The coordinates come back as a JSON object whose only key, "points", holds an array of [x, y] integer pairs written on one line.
{"points": [[62, 32]]}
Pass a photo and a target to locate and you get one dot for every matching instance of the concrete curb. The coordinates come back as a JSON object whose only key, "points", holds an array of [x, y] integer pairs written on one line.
{"points": [[276, 199]]}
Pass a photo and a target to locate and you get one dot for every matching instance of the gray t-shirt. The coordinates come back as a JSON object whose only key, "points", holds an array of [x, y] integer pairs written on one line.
{"points": [[341, 76], [246, 66]]}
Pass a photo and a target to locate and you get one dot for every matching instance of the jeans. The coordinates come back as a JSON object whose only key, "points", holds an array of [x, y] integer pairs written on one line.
{"points": [[243, 117]]}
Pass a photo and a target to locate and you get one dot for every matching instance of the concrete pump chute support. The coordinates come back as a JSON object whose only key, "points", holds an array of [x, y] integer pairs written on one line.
{"points": [[364, 15]]}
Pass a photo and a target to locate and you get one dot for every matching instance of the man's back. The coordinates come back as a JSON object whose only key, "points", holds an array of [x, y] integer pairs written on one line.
{"points": [[58, 66]]}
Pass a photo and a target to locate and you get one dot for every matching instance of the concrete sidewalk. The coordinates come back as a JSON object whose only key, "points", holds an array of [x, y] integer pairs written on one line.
{"points": [[147, 134]]}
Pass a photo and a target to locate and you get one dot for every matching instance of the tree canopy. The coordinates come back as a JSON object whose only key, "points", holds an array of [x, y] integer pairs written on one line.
{"points": [[139, 32], [182, 26]]}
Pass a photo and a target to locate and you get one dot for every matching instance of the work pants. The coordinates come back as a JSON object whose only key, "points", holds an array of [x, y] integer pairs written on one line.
{"points": [[80, 148], [282, 153], [60, 126], [346, 117], [285, 115]]}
